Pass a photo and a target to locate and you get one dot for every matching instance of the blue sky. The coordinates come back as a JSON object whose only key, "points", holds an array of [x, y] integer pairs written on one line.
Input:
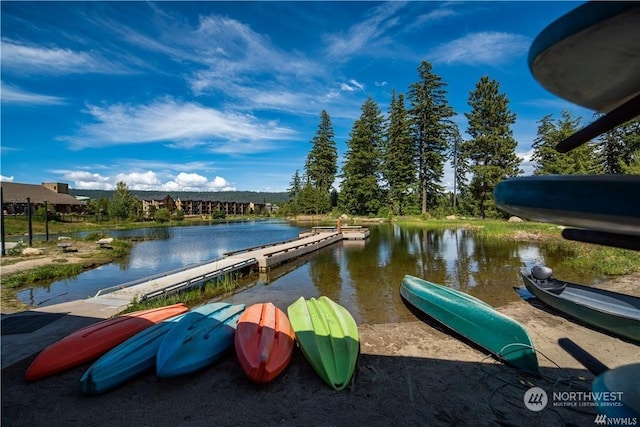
{"points": [[209, 96]]}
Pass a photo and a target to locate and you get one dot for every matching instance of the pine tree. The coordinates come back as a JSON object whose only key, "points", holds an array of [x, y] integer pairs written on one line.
{"points": [[547, 160], [430, 112], [360, 189], [620, 147], [322, 161], [399, 168], [295, 185], [491, 152], [459, 164]]}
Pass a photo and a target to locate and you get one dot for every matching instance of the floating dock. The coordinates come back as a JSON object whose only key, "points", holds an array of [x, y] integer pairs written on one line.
{"points": [[262, 257]]}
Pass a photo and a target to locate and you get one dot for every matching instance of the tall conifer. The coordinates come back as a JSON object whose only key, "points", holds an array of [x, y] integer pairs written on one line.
{"points": [[430, 112], [360, 189], [322, 160], [491, 151], [399, 168]]}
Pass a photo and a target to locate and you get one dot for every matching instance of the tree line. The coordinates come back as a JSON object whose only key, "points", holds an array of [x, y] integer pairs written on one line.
{"points": [[394, 164]]}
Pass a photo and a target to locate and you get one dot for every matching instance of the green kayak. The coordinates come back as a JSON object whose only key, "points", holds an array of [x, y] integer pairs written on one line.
{"points": [[475, 320], [328, 337]]}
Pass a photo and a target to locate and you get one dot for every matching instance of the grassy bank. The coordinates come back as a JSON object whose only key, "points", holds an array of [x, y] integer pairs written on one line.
{"points": [[215, 288], [18, 226], [602, 260], [51, 264]]}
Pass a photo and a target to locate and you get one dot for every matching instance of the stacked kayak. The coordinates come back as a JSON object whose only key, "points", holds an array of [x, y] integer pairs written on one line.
{"points": [[126, 361], [328, 337], [264, 342], [91, 342], [198, 339], [475, 320], [177, 341]]}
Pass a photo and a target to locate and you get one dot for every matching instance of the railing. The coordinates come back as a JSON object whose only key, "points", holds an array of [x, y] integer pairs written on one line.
{"points": [[154, 277], [293, 248], [198, 280], [257, 248]]}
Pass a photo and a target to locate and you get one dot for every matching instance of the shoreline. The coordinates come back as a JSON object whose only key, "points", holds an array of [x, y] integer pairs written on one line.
{"points": [[409, 373]]}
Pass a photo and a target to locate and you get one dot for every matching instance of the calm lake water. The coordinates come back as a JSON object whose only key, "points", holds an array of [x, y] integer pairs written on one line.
{"points": [[364, 276]]}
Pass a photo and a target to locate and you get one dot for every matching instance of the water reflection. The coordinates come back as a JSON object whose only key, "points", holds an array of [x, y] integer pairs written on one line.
{"points": [[363, 276]]}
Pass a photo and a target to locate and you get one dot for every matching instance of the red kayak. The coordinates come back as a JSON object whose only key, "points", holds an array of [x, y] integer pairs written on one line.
{"points": [[91, 342], [264, 342]]}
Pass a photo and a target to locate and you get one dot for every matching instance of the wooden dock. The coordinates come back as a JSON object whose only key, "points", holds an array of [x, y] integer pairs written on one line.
{"points": [[262, 257]]}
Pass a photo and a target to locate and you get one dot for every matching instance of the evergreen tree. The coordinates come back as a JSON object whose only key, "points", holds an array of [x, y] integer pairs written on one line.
{"points": [[123, 205], [430, 112], [295, 185], [322, 161], [620, 147], [491, 151], [360, 189], [459, 164], [547, 160], [312, 200], [399, 169]]}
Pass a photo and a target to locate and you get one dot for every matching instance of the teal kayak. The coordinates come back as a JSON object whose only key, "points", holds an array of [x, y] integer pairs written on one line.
{"points": [[126, 361], [475, 320], [328, 337], [197, 340]]}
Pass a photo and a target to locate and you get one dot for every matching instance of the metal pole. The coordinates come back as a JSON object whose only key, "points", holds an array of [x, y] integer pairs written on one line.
{"points": [[4, 251], [46, 221], [30, 221]]}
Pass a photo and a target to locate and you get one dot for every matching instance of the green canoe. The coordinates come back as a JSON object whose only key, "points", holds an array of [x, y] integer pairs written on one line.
{"points": [[328, 337], [475, 320]]}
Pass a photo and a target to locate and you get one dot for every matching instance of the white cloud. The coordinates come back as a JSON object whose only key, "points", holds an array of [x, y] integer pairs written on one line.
{"points": [[234, 55], [88, 181], [381, 84], [6, 178], [351, 86], [195, 182], [483, 48], [14, 95], [173, 122], [139, 181], [51, 60], [367, 35], [145, 181]]}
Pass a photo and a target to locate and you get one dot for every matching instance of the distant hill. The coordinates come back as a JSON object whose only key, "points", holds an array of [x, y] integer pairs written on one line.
{"points": [[222, 196]]}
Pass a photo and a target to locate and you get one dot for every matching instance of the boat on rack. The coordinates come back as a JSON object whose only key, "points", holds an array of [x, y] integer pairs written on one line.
{"points": [[328, 337], [475, 320], [609, 311], [264, 342], [89, 343]]}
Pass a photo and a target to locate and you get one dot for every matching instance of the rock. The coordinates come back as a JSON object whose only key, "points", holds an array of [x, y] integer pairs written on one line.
{"points": [[515, 219], [31, 252]]}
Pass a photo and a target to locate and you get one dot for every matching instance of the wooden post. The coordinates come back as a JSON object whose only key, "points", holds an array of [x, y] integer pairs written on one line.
{"points": [[4, 251], [46, 221], [30, 222]]}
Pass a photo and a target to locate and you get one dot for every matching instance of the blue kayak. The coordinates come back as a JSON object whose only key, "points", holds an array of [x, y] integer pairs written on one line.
{"points": [[198, 339], [126, 361]]}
